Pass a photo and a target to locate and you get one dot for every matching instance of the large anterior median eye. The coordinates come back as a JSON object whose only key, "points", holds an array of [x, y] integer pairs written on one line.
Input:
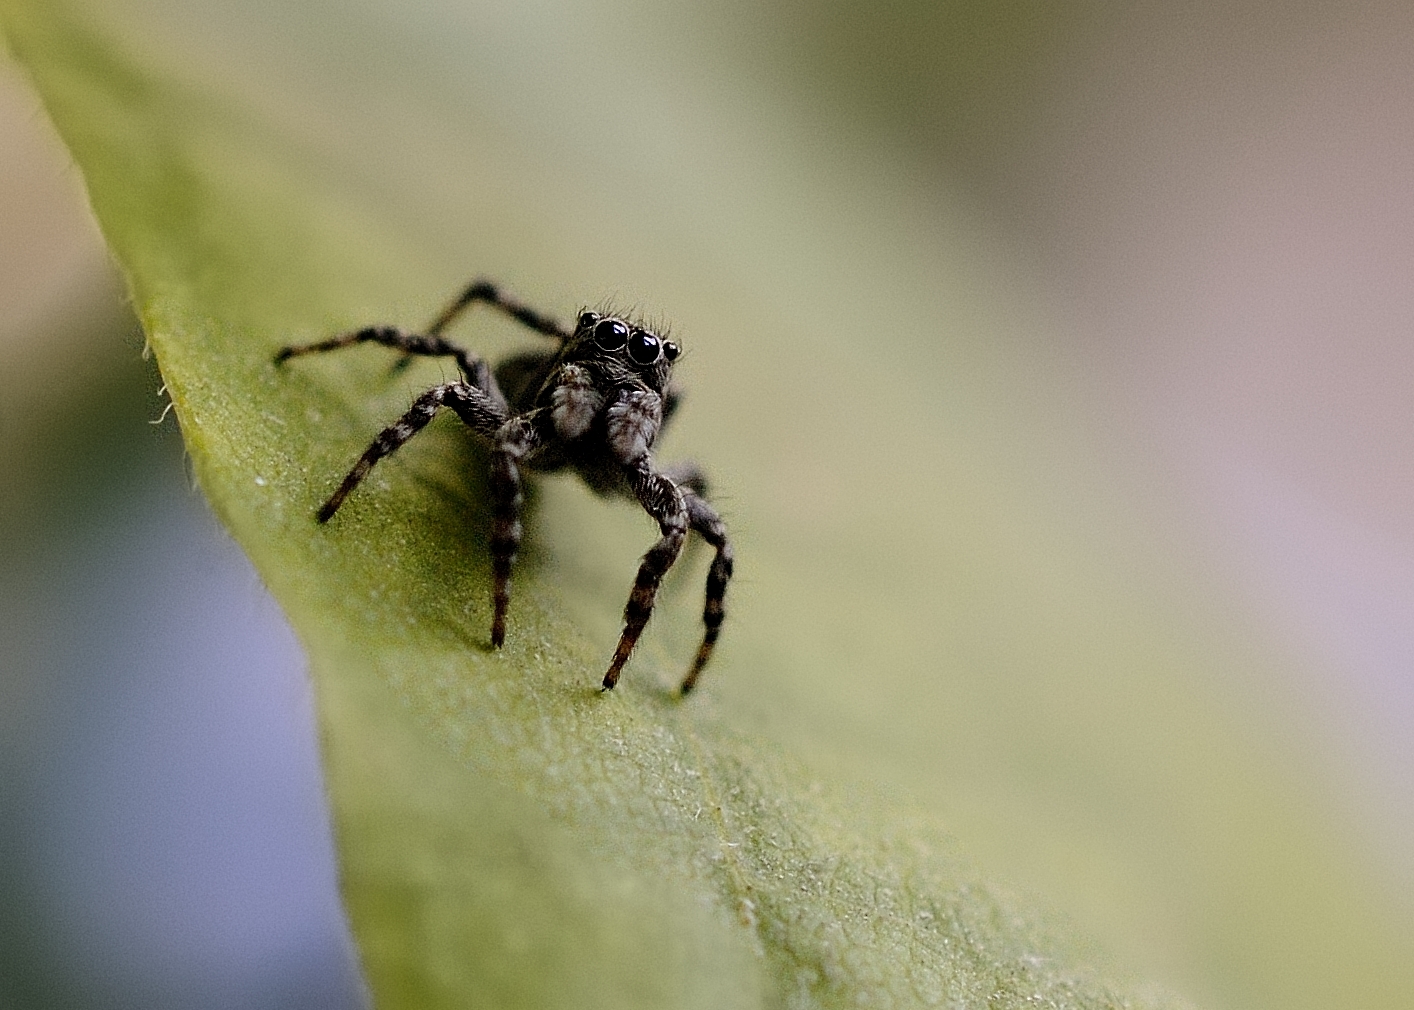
{"points": [[643, 347], [610, 334]]}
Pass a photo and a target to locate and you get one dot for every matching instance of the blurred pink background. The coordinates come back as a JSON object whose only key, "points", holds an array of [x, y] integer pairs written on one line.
{"points": [[1225, 195]]}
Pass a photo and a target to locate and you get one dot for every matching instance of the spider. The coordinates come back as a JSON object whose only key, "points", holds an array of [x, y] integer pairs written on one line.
{"points": [[595, 404]]}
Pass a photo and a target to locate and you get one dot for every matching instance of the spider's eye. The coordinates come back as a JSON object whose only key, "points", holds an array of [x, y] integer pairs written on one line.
{"points": [[643, 347], [670, 349], [610, 334], [587, 320]]}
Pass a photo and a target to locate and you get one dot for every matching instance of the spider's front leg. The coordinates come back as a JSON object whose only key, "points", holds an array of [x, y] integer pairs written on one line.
{"points": [[709, 526], [474, 406], [517, 439], [702, 517], [475, 368], [664, 501]]}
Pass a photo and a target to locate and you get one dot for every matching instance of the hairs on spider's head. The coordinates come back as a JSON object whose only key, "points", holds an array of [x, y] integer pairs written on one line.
{"points": [[633, 315]]}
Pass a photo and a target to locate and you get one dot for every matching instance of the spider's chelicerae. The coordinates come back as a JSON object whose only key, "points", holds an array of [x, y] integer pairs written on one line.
{"points": [[595, 403]]}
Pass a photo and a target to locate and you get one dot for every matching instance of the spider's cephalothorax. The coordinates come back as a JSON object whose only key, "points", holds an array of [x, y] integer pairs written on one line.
{"points": [[596, 404]]}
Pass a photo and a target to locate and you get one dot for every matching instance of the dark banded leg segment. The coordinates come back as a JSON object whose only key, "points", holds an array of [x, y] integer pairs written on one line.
{"points": [[709, 525], [481, 290], [661, 499], [473, 405], [476, 370], [515, 440], [688, 475]]}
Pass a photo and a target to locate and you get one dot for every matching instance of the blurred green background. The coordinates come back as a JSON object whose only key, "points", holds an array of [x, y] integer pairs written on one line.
{"points": [[1112, 517]]}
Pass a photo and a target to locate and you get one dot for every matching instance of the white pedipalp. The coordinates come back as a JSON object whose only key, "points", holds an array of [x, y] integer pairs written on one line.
{"points": [[633, 423], [574, 402]]}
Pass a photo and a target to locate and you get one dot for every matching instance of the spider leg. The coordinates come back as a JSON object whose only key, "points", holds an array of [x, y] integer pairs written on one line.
{"points": [[515, 440], [662, 500], [709, 525], [474, 406], [476, 370], [482, 290], [687, 474]]}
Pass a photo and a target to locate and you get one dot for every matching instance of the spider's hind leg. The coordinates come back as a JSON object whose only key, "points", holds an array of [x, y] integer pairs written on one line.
{"points": [[482, 290]]}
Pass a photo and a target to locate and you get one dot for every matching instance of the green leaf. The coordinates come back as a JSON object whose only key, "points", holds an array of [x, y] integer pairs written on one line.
{"points": [[912, 615]]}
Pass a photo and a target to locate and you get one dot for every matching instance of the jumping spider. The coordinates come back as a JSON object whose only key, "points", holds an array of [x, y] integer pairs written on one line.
{"points": [[595, 403]]}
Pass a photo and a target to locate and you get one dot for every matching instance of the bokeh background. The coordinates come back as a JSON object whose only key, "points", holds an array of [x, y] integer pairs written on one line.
{"points": [[1209, 215]]}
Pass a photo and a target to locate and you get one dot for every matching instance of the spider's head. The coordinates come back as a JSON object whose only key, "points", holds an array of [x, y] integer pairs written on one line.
{"points": [[623, 350]]}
